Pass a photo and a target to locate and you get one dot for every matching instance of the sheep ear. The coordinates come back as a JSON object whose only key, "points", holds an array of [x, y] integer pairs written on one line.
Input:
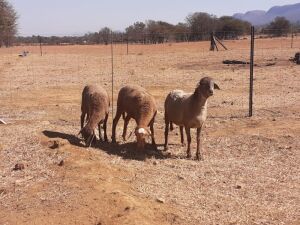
{"points": [[216, 86]]}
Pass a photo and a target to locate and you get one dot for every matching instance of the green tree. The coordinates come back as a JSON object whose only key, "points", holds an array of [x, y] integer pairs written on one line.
{"points": [[201, 25], [159, 31], [105, 35], [280, 26], [229, 27], [8, 23], [136, 32], [182, 32]]}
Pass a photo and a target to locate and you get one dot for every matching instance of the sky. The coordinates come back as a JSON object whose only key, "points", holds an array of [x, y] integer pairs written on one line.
{"points": [[76, 17]]}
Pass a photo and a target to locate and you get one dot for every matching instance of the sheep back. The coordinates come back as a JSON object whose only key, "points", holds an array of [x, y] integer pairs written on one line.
{"points": [[95, 100], [137, 103]]}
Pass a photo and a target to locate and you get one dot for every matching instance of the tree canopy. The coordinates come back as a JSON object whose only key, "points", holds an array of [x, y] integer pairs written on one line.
{"points": [[8, 23], [279, 26], [197, 27]]}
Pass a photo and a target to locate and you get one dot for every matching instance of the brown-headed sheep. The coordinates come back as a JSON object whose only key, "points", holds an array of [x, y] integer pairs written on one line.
{"points": [[189, 110], [95, 106], [135, 102]]}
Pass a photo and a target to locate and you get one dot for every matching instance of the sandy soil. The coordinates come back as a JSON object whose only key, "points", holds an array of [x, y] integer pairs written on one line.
{"points": [[250, 172]]}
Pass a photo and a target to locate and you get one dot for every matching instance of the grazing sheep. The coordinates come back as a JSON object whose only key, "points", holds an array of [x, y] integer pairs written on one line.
{"points": [[95, 104], [135, 102], [188, 110]]}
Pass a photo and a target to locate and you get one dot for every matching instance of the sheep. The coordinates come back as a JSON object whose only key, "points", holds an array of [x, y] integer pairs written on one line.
{"points": [[188, 110], [135, 102], [95, 107]]}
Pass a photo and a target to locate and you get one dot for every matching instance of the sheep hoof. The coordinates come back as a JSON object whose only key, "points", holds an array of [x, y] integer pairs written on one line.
{"points": [[155, 147], [166, 148], [183, 144], [189, 156], [199, 158]]}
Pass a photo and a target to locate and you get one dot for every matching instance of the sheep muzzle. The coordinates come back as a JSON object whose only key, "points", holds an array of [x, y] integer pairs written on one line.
{"points": [[141, 135]]}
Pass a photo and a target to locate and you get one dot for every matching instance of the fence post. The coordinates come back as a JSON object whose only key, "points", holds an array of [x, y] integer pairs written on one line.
{"points": [[292, 41], [40, 41], [251, 73], [127, 43], [112, 74]]}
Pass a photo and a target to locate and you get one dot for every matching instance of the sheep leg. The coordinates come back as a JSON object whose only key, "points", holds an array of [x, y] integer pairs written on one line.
{"points": [[152, 133], [100, 134], [115, 122], [123, 115], [166, 134], [82, 119], [198, 153], [105, 128], [171, 126], [181, 136], [87, 117], [189, 139], [126, 121]]}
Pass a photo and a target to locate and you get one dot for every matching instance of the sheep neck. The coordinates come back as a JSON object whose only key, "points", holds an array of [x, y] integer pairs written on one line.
{"points": [[93, 121], [142, 122], [198, 102]]}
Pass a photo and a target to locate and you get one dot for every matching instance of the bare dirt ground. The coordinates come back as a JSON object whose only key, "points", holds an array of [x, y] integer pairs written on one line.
{"points": [[250, 172]]}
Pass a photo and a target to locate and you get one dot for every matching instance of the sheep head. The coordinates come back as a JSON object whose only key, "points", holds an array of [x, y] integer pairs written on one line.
{"points": [[141, 135], [88, 135], [206, 87]]}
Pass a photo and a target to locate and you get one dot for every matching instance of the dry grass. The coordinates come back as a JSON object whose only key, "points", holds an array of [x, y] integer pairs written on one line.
{"points": [[250, 174]]}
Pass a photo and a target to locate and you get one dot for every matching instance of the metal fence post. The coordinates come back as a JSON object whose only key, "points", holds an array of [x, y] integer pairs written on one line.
{"points": [[40, 41], [292, 41], [127, 43], [112, 74], [251, 73]]}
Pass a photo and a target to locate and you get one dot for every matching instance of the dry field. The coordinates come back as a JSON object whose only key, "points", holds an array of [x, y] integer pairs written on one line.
{"points": [[250, 173]]}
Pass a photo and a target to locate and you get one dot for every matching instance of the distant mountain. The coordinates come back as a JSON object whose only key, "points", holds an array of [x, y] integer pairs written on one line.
{"points": [[260, 17]]}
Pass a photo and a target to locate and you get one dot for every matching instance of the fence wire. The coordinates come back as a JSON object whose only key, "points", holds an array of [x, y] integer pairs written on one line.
{"points": [[160, 67]]}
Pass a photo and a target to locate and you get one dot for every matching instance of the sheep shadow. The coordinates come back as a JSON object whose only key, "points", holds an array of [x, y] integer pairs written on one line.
{"points": [[72, 139], [124, 150], [129, 151]]}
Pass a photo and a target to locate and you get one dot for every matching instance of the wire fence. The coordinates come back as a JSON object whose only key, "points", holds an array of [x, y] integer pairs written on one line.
{"points": [[160, 67]]}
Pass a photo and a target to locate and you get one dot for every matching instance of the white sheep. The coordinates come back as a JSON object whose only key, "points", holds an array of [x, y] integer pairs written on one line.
{"points": [[95, 106], [135, 102], [188, 110]]}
